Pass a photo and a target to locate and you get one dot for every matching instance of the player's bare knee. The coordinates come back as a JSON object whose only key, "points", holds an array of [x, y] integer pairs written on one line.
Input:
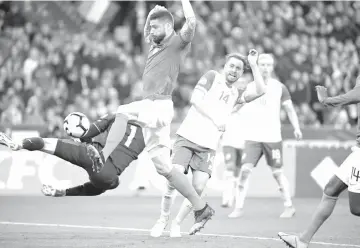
{"points": [[276, 172], [179, 167], [199, 187], [334, 187], [114, 184], [246, 170]]}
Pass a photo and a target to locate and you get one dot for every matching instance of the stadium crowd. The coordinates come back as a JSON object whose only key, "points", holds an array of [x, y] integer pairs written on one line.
{"points": [[48, 71]]}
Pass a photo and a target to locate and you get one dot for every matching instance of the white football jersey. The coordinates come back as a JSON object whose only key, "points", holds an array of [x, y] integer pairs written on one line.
{"points": [[261, 117], [220, 99]]}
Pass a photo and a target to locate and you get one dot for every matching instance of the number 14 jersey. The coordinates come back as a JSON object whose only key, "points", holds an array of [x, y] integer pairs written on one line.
{"points": [[220, 99]]}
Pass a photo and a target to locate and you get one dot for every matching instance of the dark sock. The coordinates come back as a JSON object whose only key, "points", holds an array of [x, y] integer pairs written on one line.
{"points": [[87, 189], [180, 182], [115, 135], [33, 144]]}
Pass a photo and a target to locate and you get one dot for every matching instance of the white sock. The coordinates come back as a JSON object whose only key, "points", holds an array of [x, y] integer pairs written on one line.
{"points": [[230, 183], [284, 187], [167, 200], [242, 188], [184, 211]]}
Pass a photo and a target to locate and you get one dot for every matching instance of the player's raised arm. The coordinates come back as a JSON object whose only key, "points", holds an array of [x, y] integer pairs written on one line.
{"points": [[251, 94], [187, 32], [350, 97]]}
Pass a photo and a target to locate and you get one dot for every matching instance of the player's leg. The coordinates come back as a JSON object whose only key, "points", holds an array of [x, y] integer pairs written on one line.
{"points": [[201, 164], [31, 144], [181, 157], [354, 190], [117, 131], [86, 189], [252, 153], [180, 182], [273, 154], [230, 157], [106, 179], [337, 184]]}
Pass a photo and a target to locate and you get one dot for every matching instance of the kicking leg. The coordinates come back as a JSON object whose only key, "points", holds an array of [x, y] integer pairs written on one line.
{"points": [[87, 189], [199, 182], [178, 179], [331, 193], [116, 133]]}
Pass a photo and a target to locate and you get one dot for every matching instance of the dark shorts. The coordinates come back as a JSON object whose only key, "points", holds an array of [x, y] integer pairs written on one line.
{"points": [[254, 150], [75, 153], [189, 154], [232, 156]]}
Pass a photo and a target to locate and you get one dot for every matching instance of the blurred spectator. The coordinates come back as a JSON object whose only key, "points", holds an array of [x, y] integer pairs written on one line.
{"points": [[47, 71]]}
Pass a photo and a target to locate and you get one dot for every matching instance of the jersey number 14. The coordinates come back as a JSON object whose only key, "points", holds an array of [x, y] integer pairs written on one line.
{"points": [[224, 97]]}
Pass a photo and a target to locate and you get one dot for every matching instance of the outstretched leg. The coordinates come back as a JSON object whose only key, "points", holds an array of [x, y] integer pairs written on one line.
{"points": [[87, 189]]}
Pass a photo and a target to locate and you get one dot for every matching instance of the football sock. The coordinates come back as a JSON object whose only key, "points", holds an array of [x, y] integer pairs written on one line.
{"points": [[33, 144], [243, 186], [115, 135], [284, 187], [180, 182], [87, 189], [230, 182], [184, 211], [322, 213], [167, 200]]}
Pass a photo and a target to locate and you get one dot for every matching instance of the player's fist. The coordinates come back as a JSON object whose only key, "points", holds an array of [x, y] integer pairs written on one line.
{"points": [[220, 125], [298, 134], [253, 57], [321, 93]]}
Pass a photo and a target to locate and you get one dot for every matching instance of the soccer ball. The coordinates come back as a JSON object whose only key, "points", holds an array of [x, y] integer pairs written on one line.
{"points": [[76, 124]]}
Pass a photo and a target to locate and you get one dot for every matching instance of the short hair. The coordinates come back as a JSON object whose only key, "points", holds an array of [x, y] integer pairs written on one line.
{"points": [[239, 57], [163, 15], [266, 56]]}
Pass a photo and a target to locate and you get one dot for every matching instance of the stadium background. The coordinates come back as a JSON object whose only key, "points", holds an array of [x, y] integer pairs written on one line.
{"points": [[59, 57]]}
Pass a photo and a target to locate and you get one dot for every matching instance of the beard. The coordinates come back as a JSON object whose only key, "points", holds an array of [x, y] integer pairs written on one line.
{"points": [[158, 38]]}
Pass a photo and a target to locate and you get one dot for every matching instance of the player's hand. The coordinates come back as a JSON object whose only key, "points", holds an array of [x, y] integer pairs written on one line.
{"points": [[321, 93], [298, 134], [220, 125], [253, 57]]}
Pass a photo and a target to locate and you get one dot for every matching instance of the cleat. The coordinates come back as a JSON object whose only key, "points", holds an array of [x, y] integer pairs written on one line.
{"points": [[237, 213], [201, 217], [159, 227], [48, 190], [175, 230], [292, 241], [289, 212], [7, 141], [94, 155]]}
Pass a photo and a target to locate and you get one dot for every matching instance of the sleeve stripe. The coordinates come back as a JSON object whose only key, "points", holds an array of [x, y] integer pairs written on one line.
{"points": [[97, 128]]}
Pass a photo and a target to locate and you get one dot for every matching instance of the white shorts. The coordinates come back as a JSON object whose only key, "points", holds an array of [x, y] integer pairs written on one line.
{"points": [[155, 116], [349, 171]]}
